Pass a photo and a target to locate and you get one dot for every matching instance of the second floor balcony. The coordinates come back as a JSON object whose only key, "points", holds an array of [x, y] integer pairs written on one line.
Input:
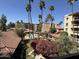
{"points": [[75, 20]]}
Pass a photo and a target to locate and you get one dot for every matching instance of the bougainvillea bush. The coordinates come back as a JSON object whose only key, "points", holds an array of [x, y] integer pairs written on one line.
{"points": [[44, 47]]}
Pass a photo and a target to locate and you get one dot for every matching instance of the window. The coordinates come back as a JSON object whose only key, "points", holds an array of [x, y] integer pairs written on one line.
{"points": [[66, 24], [66, 29], [66, 18]]}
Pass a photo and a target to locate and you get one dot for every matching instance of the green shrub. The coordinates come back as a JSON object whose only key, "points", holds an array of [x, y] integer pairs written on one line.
{"points": [[20, 32], [53, 30]]}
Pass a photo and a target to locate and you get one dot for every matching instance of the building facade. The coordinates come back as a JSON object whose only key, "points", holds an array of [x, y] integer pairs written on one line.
{"points": [[71, 25]]}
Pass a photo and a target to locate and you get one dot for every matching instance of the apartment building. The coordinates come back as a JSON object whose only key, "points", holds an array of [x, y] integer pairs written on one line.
{"points": [[71, 25]]}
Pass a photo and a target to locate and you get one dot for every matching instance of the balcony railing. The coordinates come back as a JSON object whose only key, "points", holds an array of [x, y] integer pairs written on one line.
{"points": [[75, 20]]}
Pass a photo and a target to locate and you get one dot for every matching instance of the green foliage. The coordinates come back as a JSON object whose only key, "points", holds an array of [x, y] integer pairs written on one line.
{"points": [[3, 21], [19, 25], [52, 29], [65, 45], [11, 25], [20, 33], [51, 8], [28, 7], [26, 25], [42, 4], [40, 19], [49, 18], [3, 18]]}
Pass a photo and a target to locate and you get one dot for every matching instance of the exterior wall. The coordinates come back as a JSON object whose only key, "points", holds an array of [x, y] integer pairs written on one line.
{"points": [[35, 27], [67, 28], [46, 27]]}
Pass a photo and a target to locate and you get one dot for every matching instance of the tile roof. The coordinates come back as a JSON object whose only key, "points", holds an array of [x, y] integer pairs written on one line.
{"points": [[8, 42]]}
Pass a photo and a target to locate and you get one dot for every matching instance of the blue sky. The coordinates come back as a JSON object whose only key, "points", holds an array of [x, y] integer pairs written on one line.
{"points": [[15, 9]]}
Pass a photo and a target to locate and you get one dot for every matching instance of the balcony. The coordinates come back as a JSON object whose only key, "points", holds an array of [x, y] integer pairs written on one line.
{"points": [[75, 20], [75, 28], [75, 35]]}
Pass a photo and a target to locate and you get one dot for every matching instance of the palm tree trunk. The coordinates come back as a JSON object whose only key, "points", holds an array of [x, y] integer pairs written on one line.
{"points": [[29, 22], [51, 20], [42, 15], [30, 19]]}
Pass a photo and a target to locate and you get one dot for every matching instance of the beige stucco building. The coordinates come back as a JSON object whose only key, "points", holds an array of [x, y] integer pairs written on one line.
{"points": [[71, 25]]}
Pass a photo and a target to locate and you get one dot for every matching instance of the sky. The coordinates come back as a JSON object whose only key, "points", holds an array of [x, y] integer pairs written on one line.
{"points": [[15, 9]]}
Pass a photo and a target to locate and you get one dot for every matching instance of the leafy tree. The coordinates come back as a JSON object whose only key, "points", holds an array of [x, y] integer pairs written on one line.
{"points": [[22, 22], [19, 25], [53, 29], [20, 33], [11, 25], [26, 25], [65, 45], [3, 22]]}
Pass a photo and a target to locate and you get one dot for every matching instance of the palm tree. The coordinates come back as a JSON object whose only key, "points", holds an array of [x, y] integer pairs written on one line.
{"points": [[28, 9], [71, 2], [30, 3], [42, 6], [51, 8], [39, 25], [60, 23], [40, 18], [49, 18]]}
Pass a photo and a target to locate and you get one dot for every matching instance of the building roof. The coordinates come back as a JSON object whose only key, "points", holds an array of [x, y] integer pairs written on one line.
{"points": [[74, 13], [58, 27], [8, 42]]}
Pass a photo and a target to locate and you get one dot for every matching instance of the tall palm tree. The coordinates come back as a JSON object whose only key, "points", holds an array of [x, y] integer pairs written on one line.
{"points": [[28, 9], [30, 3], [49, 18], [71, 2], [51, 8], [39, 28], [42, 6], [40, 18]]}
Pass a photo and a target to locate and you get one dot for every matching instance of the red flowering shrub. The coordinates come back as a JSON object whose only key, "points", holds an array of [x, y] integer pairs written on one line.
{"points": [[44, 47]]}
